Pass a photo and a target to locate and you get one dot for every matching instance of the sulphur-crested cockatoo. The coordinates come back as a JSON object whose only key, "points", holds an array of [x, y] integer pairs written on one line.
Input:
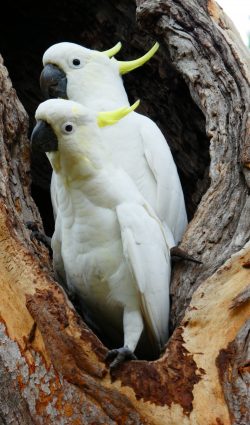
{"points": [[108, 242], [135, 143]]}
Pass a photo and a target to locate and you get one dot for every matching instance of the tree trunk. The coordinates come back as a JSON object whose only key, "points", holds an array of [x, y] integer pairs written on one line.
{"points": [[52, 368]]}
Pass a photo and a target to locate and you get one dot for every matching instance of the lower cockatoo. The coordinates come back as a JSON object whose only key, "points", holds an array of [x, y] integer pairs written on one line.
{"points": [[108, 244]]}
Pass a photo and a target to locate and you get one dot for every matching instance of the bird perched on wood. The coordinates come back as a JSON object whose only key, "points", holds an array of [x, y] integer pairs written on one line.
{"points": [[94, 79], [108, 243]]}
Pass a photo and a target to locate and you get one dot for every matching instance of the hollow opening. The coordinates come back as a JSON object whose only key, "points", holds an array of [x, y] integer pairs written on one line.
{"points": [[164, 95]]}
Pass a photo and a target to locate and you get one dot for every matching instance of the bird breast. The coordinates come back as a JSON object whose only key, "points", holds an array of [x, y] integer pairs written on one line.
{"points": [[92, 249]]}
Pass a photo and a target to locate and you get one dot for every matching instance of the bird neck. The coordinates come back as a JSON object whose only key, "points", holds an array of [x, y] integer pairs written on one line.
{"points": [[74, 162]]}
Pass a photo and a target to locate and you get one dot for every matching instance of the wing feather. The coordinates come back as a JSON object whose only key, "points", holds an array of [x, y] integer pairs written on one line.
{"points": [[53, 194], [170, 200], [147, 254]]}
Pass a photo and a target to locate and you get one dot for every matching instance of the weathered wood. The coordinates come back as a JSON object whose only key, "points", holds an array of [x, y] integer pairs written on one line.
{"points": [[60, 375], [13, 408], [234, 371], [215, 65], [179, 387]]}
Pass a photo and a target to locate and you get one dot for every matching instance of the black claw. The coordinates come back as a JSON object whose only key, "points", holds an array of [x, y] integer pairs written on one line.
{"points": [[31, 225], [179, 254], [119, 355], [38, 235], [41, 237]]}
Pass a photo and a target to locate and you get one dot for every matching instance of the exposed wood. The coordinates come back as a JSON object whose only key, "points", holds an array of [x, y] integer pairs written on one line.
{"points": [[179, 387], [234, 372], [242, 298], [54, 371]]}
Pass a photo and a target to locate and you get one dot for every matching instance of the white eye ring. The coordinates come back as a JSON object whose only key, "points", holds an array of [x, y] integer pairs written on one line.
{"points": [[68, 127]]}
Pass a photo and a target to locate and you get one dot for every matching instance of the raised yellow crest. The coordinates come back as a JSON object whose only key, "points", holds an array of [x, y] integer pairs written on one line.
{"points": [[111, 117], [114, 50], [127, 66]]}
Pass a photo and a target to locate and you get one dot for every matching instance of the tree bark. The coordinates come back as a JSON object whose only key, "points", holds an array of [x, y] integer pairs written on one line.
{"points": [[215, 69], [52, 367]]}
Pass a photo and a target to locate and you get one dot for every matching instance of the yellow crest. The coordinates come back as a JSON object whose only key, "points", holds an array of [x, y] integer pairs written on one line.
{"points": [[111, 117], [127, 66], [112, 52]]}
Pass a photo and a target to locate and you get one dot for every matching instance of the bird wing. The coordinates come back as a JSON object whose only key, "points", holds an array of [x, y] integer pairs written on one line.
{"points": [[53, 194], [170, 200], [56, 244], [147, 254]]}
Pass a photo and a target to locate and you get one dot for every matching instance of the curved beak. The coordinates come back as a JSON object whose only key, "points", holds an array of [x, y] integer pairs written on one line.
{"points": [[53, 82], [43, 138]]}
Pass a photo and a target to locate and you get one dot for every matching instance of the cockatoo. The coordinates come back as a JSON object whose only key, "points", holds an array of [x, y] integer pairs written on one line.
{"points": [[94, 79], [108, 242]]}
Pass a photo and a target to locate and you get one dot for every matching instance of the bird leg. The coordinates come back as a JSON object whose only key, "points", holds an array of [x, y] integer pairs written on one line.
{"points": [[133, 327], [178, 254]]}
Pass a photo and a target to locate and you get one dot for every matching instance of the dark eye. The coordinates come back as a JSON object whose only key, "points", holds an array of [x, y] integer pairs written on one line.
{"points": [[76, 62], [68, 127]]}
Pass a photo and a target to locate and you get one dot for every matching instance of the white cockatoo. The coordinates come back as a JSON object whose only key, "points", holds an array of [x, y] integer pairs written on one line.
{"points": [[135, 143], [108, 243]]}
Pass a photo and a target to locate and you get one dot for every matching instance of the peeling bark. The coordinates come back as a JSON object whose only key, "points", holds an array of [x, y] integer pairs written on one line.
{"points": [[58, 375], [234, 371], [242, 298]]}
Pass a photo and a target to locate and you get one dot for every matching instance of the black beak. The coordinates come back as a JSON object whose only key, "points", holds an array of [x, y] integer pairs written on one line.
{"points": [[43, 138], [53, 82]]}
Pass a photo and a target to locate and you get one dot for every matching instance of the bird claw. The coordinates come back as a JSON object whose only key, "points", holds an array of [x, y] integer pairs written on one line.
{"points": [[119, 355], [179, 253], [37, 235]]}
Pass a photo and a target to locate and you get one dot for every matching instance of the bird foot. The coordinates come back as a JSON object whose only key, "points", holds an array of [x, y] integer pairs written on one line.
{"points": [[119, 355], [36, 234], [179, 254]]}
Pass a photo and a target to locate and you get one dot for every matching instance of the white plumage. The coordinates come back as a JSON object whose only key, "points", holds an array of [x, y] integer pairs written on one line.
{"points": [[108, 242], [136, 144]]}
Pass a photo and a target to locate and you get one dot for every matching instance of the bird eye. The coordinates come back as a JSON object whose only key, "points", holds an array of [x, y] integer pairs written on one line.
{"points": [[76, 62], [68, 128]]}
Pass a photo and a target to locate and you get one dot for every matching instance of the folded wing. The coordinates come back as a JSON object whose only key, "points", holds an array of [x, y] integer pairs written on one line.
{"points": [[170, 200], [147, 253]]}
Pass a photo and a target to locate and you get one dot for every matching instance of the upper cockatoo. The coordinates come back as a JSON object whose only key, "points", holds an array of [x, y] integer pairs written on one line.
{"points": [[108, 242], [135, 143]]}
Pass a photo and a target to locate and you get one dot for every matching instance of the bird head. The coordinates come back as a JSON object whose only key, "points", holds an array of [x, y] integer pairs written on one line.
{"points": [[66, 129], [88, 76]]}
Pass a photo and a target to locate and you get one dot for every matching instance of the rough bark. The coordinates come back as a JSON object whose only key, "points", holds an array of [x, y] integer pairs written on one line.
{"points": [[56, 373], [234, 371], [214, 65]]}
